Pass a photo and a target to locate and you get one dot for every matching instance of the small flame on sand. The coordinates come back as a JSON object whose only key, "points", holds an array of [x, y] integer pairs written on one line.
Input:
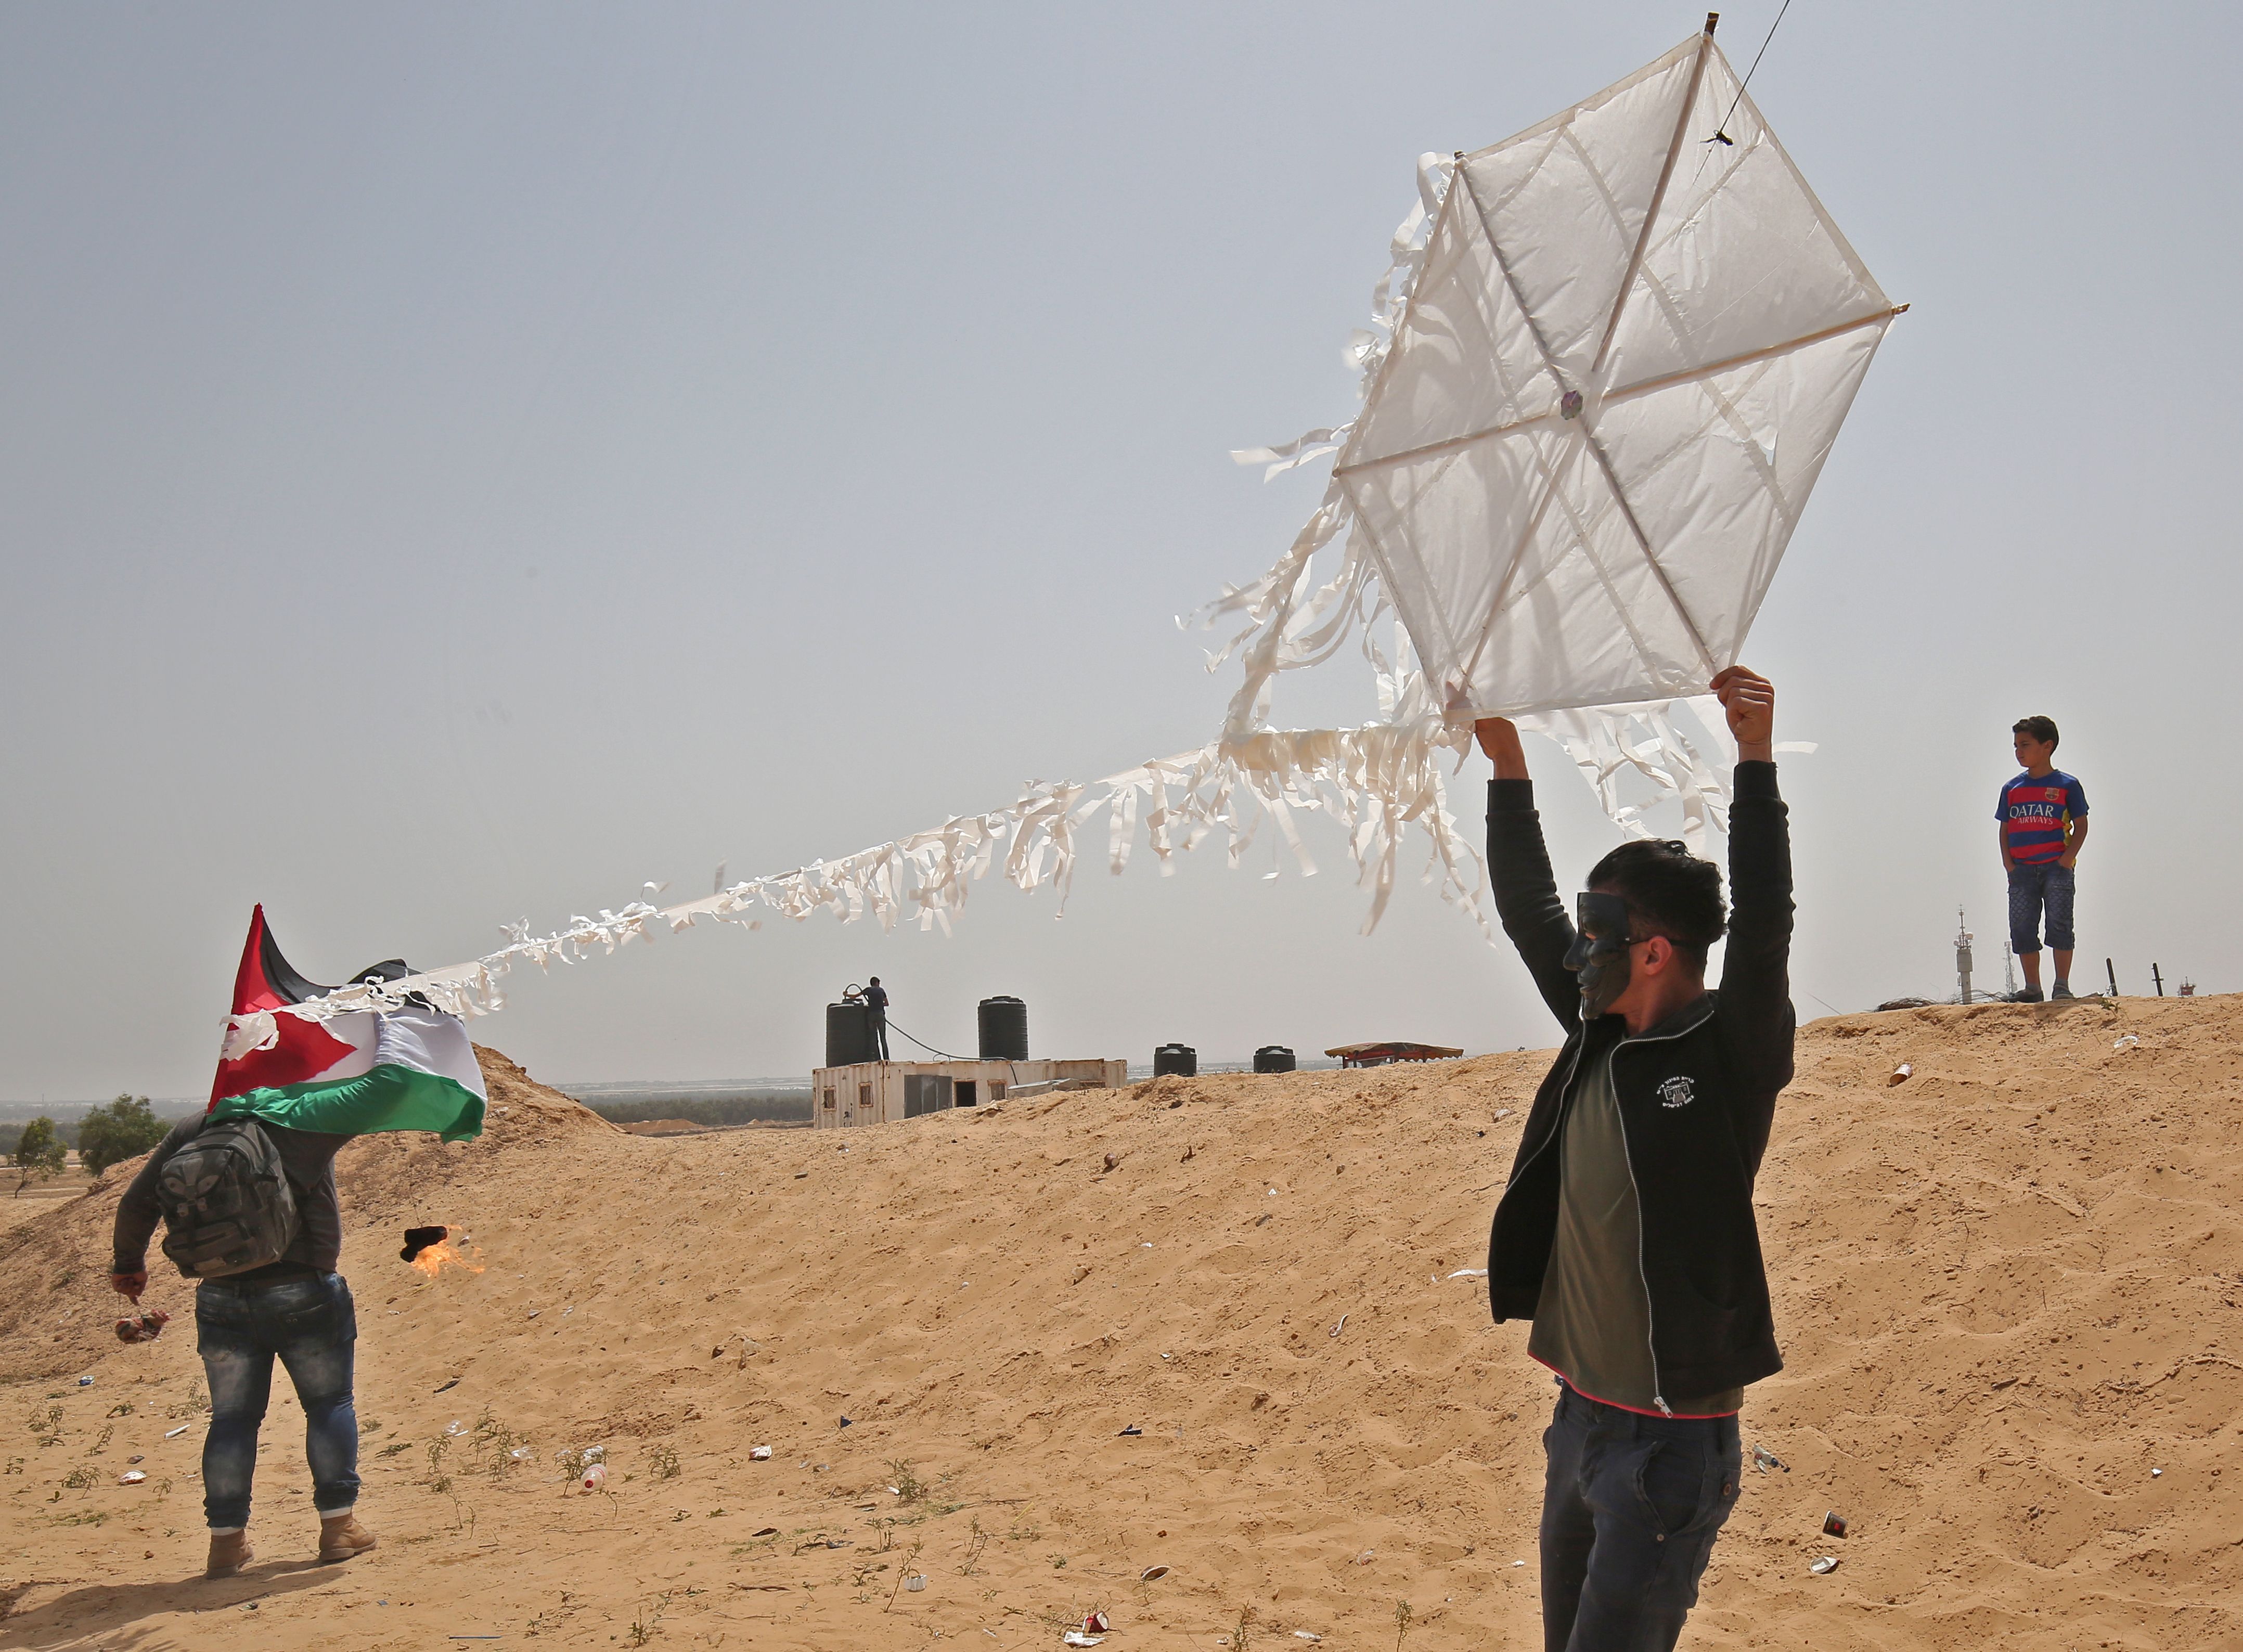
{"points": [[435, 1258]]}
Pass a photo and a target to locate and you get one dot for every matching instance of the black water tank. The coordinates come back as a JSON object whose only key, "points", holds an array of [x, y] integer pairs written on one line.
{"points": [[849, 1034], [1004, 1023], [1273, 1058], [1180, 1059]]}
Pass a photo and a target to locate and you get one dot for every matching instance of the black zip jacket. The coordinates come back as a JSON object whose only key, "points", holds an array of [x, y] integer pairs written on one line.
{"points": [[1697, 1098]]}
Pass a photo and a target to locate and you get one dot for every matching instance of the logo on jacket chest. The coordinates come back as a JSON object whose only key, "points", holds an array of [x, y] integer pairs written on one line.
{"points": [[1678, 1092]]}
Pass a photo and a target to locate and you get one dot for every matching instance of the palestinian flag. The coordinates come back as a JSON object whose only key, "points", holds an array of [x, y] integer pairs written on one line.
{"points": [[408, 1069]]}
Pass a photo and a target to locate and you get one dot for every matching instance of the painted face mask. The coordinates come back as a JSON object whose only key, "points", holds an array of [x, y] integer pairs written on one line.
{"points": [[1599, 955]]}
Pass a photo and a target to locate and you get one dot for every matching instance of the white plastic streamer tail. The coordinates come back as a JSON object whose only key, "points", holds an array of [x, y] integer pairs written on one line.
{"points": [[1377, 782]]}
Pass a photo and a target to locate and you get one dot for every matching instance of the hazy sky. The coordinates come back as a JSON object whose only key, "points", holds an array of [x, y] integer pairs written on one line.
{"points": [[462, 462]]}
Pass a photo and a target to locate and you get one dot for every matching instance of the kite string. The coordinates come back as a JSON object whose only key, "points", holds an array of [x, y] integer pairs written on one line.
{"points": [[1721, 130]]}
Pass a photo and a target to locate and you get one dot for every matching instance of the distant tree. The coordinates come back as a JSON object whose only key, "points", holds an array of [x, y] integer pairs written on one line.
{"points": [[39, 1149], [124, 1130]]}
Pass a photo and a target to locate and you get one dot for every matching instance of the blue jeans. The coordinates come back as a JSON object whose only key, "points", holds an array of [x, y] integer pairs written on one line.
{"points": [[312, 1325], [2030, 888], [1630, 1509]]}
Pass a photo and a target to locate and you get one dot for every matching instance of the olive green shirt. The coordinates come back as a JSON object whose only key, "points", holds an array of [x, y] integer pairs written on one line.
{"points": [[1593, 1323]]}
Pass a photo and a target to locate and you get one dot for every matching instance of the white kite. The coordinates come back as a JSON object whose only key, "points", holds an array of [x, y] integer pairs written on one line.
{"points": [[1613, 355], [1610, 357]]}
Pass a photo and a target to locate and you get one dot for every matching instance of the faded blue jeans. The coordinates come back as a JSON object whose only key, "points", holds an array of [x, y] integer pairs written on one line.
{"points": [[311, 1325], [1631, 1506]]}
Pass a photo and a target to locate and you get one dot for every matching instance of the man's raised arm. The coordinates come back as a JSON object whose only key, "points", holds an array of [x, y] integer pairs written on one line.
{"points": [[1519, 864], [1755, 998]]}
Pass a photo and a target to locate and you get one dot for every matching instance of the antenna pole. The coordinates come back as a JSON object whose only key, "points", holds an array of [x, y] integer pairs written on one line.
{"points": [[2113, 974], [2158, 979], [1713, 18]]}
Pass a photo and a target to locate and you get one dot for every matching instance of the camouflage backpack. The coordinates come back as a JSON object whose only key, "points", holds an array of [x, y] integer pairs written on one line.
{"points": [[227, 1205]]}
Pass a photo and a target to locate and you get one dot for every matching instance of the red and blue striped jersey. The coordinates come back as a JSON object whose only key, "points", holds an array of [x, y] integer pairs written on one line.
{"points": [[2035, 814]]}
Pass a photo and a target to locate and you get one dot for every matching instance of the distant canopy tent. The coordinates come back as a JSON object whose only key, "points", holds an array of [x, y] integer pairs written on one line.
{"points": [[409, 1067]]}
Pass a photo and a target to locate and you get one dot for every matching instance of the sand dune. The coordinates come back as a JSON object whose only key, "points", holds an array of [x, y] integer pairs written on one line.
{"points": [[2005, 1289]]}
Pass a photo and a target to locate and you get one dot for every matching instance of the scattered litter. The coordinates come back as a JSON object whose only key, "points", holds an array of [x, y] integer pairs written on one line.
{"points": [[1168, 1356], [147, 1328], [565, 1312], [2126, 1040], [1131, 1431], [1833, 1524], [131, 1477], [1824, 1566], [1519, 1562], [455, 1428], [1900, 1075], [1306, 1634], [916, 1582], [760, 1454], [85, 1382], [445, 1387], [1341, 1326], [521, 1453], [1152, 1572], [1764, 1460], [1469, 1273], [596, 1476], [1503, 1112], [595, 1454], [1095, 1624], [1273, 1192], [173, 1433], [534, 1313], [2156, 1473], [848, 1422], [1076, 1637], [1366, 1557], [136, 1459], [768, 1531]]}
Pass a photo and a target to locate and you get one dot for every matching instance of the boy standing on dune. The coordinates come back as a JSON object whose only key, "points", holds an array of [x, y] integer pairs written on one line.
{"points": [[2042, 817], [1626, 1233]]}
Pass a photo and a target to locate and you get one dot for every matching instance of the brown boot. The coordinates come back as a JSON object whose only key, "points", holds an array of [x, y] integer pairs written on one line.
{"points": [[229, 1553], [341, 1536]]}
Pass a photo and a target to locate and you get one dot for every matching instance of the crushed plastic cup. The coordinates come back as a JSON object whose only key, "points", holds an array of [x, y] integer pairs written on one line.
{"points": [[595, 1477], [521, 1453], [85, 1382], [760, 1454], [1076, 1637], [1306, 1634], [131, 1477], [1095, 1624], [1901, 1074], [1152, 1572], [1824, 1566], [2127, 1041], [916, 1582], [595, 1454], [455, 1428]]}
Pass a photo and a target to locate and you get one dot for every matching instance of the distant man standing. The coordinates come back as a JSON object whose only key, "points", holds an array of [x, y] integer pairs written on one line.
{"points": [[876, 1002], [1626, 1232], [2042, 817]]}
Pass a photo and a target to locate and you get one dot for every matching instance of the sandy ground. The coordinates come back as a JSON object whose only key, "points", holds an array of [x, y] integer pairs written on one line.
{"points": [[2008, 1290]]}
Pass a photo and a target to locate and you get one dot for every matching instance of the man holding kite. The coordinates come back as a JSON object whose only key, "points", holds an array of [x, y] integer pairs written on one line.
{"points": [[1626, 1233]]}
